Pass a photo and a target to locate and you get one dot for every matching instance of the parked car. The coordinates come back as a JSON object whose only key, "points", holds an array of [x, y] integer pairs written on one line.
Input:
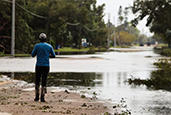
{"points": [[148, 44], [141, 44]]}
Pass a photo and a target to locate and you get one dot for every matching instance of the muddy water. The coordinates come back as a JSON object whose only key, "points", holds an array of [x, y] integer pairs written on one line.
{"points": [[102, 73]]}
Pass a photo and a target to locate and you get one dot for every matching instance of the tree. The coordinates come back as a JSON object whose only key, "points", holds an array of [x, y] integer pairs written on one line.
{"points": [[23, 37], [125, 38], [120, 13], [126, 19], [143, 39], [158, 38], [157, 13], [91, 18], [5, 26], [52, 17]]}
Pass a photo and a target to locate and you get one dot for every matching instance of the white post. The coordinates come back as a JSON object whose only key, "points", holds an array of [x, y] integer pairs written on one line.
{"points": [[114, 33], [108, 43], [114, 38], [13, 30]]}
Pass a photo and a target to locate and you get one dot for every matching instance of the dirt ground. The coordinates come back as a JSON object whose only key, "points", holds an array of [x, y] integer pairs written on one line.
{"points": [[16, 101]]}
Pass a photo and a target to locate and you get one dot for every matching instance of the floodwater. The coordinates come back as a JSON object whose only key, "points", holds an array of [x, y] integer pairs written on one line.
{"points": [[103, 74]]}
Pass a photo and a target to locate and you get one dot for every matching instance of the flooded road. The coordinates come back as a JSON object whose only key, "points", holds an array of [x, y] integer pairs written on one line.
{"points": [[102, 73]]}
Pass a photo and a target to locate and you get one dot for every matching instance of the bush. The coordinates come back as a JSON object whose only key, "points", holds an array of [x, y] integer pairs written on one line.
{"points": [[166, 52], [2, 54], [160, 79], [163, 51], [91, 49], [125, 46]]}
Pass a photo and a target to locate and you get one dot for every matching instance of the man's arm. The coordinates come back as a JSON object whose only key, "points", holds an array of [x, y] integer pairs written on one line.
{"points": [[52, 53]]}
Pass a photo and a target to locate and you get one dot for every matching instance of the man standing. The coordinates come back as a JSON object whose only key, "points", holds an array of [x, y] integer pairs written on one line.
{"points": [[43, 51]]}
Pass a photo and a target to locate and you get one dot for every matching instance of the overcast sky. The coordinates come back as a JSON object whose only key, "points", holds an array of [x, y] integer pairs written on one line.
{"points": [[112, 7]]}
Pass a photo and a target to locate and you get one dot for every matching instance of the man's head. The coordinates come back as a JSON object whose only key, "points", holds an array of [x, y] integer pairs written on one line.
{"points": [[42, 37]]}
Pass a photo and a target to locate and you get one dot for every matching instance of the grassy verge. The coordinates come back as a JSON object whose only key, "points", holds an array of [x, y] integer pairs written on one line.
{"points": [[163, 45], [69, 49], [16, 55], [61, 50], [163, 51], [123, 46]]}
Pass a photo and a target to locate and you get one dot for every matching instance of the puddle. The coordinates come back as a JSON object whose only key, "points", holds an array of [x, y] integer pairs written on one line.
{"points": [[60, 79]]}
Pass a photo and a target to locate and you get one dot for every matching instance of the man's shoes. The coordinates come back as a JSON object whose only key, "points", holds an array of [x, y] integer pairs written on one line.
{"points": [[43, 91], [37, 97], [36, 93]]}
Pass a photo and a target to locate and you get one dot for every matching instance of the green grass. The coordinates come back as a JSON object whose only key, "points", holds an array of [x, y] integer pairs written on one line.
{"points": [[69, 49], [162, 45], [19, 55], [123, 46], [22, 55]]}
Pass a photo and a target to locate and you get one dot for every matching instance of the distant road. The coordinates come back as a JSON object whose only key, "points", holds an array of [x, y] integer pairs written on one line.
{"points": [[133, 49]]}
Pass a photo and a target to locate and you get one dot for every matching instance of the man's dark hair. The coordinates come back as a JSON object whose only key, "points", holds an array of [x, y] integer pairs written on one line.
{"points": [[42, 40]]}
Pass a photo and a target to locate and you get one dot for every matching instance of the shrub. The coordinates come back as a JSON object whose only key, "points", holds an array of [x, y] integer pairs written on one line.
{"points": [[1, 54], [91, 49], [166, 52], [160, 79]]}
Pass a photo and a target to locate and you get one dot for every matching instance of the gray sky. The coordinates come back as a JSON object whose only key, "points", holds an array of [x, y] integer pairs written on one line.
{"points": [[112, 7]]}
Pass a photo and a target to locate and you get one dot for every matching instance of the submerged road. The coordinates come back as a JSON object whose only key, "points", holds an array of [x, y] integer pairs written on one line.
{"points": [[99, 62]]}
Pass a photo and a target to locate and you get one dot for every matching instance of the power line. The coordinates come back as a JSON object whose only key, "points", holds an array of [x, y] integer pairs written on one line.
{"points": [[25, 9], [30, 12], [91, 30], [13, 24], [73, 24], [76, 24], [7, 1]]}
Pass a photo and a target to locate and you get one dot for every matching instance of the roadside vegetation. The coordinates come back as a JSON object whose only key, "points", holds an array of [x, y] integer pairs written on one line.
{"points": [[69, 49], [160, 78], [163, 50]]}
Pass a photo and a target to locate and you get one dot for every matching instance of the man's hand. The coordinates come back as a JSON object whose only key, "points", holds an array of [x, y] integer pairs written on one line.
{"points": [[51, 56]]}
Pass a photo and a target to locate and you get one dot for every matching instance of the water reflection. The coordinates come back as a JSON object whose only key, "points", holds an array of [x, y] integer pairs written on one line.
{"points": [[92, 79], [61, 79]]}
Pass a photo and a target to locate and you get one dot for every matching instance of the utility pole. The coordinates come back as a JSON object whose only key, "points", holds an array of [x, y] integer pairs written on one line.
{"points": [[13, 30], [108, 43], [114, 44]]}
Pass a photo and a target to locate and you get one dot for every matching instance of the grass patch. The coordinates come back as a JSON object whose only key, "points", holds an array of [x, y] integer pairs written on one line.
{"points": [[122, 46], [162, 45], [69, 49], [22, 55], [19, 55]]}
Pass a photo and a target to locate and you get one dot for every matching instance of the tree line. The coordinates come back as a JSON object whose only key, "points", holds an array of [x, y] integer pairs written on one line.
{"points": [[65, 22]]}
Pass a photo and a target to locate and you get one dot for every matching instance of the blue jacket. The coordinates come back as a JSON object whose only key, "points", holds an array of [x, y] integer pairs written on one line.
{"points": [[43, 50]]}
